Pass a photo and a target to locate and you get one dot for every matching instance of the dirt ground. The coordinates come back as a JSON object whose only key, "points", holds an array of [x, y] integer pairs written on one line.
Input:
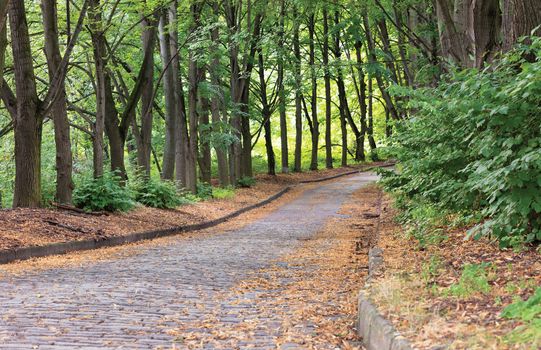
{"points": [[34, 227]]}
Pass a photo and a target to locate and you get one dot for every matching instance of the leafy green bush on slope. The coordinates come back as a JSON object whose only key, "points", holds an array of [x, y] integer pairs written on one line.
{"points": [[474, 143]]}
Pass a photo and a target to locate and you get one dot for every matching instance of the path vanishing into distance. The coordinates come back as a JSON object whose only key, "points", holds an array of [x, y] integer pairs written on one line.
{"points": [[137, 301]]}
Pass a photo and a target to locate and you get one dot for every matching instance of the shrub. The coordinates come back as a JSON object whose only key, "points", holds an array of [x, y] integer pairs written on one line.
{"points": [[474, 279], [103, 193], [473, 144], [246, 182], [204, 190], [223, 193], [157, 193]]}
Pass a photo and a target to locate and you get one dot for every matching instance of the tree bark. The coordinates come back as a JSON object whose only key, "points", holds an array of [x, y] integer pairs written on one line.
{"points": [[520, 17], [168, 164], [215, 105], [181, 134], [147, 102], [327, 79], [266, 114], [298, 95], [28, 123], [3, 38], [281, 90], [64, 183], [98, 46], [313, 102]]}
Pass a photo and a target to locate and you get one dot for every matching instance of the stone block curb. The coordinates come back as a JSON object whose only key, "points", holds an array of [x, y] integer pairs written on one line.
{"points": [[376, 331]]}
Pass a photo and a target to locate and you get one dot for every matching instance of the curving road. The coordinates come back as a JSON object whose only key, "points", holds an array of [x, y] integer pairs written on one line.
{"points": [[132, 302]]}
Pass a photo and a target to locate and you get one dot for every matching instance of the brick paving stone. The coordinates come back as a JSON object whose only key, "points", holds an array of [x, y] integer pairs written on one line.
{"points": [[131, 302]]}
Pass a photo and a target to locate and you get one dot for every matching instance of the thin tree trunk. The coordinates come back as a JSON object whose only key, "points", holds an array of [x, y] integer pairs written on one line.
{"points": [[193, 82], [28, 123], [266, 114], [98, 47], [313, 102], [204, 136], [298, 95], [147, 102], [3, 38], [327, 78], [370, 129], [281, 91], [215, 104], [64, 183], [361, 95], [373, 61]]}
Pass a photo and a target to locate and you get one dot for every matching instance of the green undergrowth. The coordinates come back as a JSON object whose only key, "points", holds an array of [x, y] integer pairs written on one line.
{"points": [[472, 146], [529, 313]]}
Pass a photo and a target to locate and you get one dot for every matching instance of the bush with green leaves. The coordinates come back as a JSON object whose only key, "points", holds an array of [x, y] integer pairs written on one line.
{"points": [[104, 193], [246, 182], [204, 190], [157, 193], [474, 143], [223, 193]]}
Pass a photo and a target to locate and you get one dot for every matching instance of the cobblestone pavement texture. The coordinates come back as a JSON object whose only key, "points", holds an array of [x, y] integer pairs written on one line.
{"points": [[132, 302]]}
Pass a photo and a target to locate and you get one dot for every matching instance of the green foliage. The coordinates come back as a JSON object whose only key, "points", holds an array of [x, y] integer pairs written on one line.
{"points": [[157, 193], [223, 193], [204, 190], [423, 221], [529, 312], [474, 280], [103, 193], [431, 270], [246, 182], [474, 145]]}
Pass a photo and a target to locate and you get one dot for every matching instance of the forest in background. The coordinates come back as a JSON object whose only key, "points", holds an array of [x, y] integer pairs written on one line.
{"points": [[111, 99]]}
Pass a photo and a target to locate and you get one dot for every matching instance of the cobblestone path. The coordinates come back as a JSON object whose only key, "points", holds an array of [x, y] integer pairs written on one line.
{"points": [[132, 302]]}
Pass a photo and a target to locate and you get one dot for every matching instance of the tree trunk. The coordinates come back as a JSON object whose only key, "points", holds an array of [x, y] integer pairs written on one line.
{"points": [[266, 114], [327, 78], [313, 102], [215, 104], [204, 137], [298, 95], [168, 168], [373, 61], [28, 123], [281, 91], [98, 46], [147, 102], [193, 82], [3, 38], [520, 17], [64, 183], [361, 95], [370, 129], [181, 133]]}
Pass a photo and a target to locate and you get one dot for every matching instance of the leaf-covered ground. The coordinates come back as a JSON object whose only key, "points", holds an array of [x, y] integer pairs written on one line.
{"points": [[30, 227], [452, 293]]}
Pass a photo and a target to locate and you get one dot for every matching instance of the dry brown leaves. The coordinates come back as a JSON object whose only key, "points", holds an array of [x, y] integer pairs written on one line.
{"points": [[424, 314]]}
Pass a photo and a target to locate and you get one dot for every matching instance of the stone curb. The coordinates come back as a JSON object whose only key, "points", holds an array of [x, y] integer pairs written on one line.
{"points": [[25, 253], [376, 331]]}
